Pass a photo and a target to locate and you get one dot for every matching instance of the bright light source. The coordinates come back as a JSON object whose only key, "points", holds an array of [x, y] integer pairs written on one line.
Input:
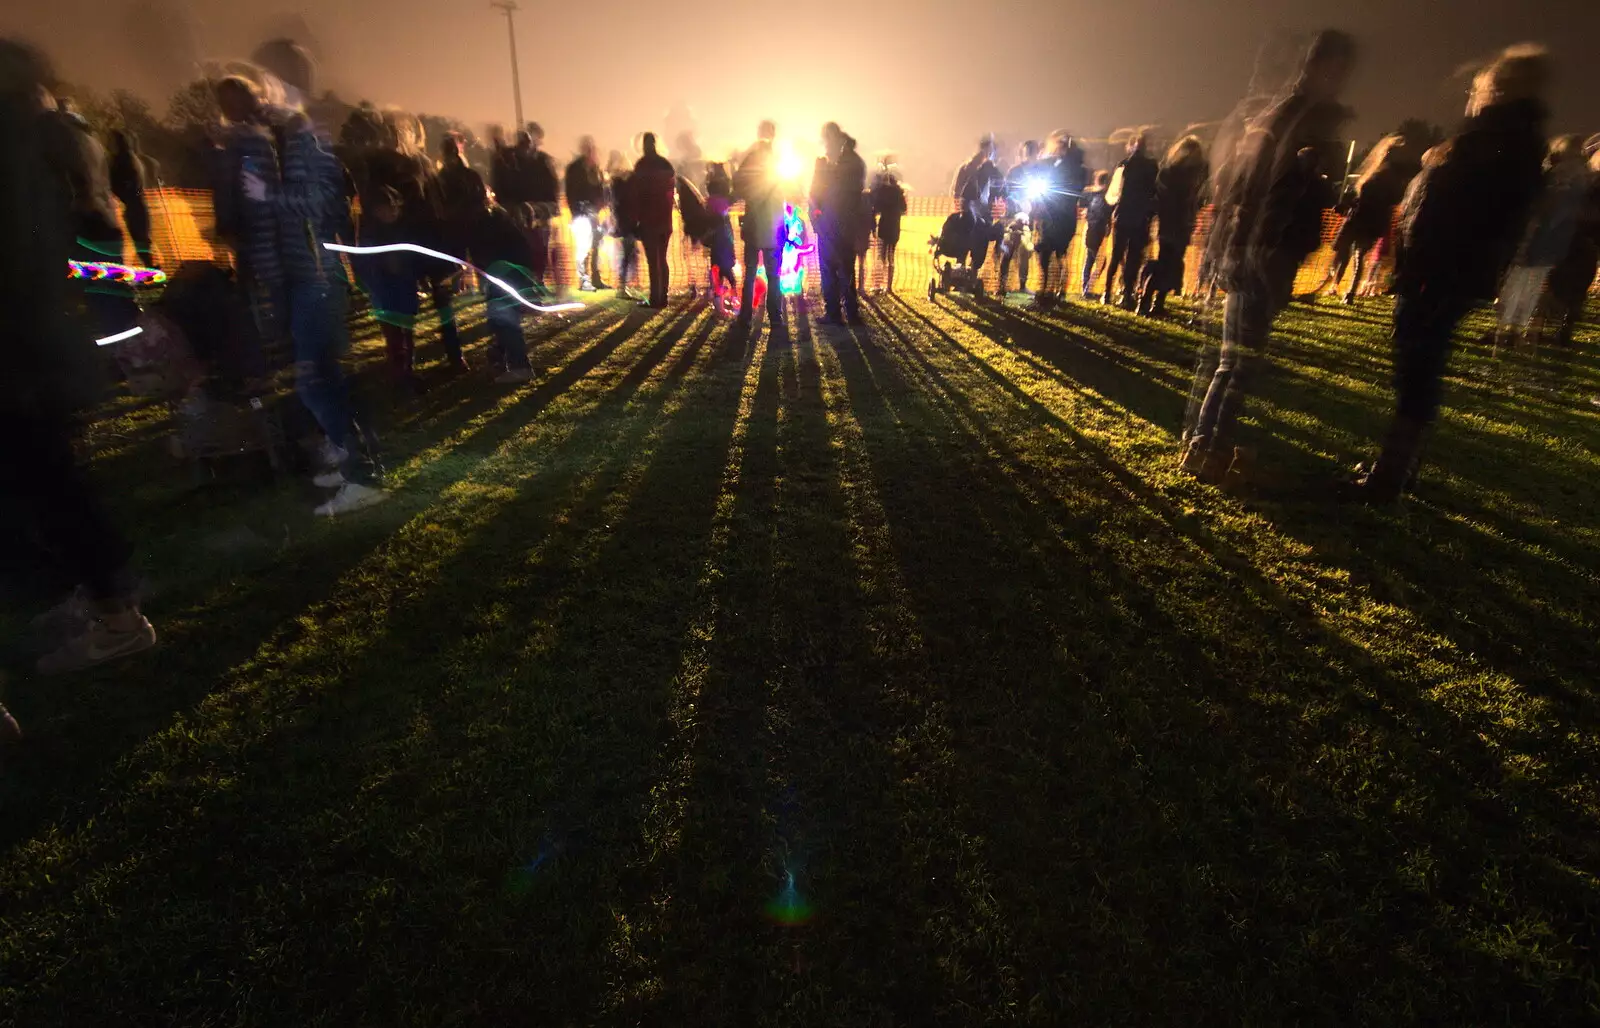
{"points": [[1035, 188], [790, 164]]}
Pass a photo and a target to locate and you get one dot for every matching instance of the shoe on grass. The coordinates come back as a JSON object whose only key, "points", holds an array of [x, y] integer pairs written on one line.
{"points": [[65, 618], [109, 636], [514, 376], [333, 478], [331, 456], [351, 497]]}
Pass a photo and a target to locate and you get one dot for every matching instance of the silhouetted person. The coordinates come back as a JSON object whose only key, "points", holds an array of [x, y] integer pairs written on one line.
{"points": [[889, 207], [624, 215], [977, 183], [655, 188], [128, 185], [539, 192], [1457, 246], [1179, 186], [49, 371], [1133, 201], [1024, 184], [756, 183], [462, 197], [501, 247], [1055, 210], [1377, 192], [1269, 218], [1096, 223], [80, 162], [503, 170], [586, 198], [719, 201], [839, 204], [1570, 280]]}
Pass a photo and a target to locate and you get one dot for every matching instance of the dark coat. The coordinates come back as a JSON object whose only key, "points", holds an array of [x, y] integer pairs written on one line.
{"points": [[462, 195], [586, 187], [1137, 196], [1372, 213], [536, 172], [1467, 212], [655, 187], [1270, 197], [889, 206], [1178, 189], [756, 183], [976, 185], [841, 200]]}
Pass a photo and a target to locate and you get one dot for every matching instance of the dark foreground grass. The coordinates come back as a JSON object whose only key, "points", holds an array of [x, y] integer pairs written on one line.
{"points": [[889, 677]]}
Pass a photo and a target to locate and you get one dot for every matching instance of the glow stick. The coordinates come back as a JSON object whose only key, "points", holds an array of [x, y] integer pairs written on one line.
{"points": [[414, 248], [96, 270], [118, 337]]}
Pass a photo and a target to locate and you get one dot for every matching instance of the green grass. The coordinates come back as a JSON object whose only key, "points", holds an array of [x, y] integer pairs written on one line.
{"points": [[891, 677]]}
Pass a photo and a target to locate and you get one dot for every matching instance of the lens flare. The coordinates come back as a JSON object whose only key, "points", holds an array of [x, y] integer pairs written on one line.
{"points": [[790, 164]]}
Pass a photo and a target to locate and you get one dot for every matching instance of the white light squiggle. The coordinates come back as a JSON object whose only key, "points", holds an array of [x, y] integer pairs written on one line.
{"points": [[118, 337], [511, 290]]}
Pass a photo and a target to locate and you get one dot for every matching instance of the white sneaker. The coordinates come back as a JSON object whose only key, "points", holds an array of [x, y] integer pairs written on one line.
{"points": [[331, 456], [516, 376], [333, 478], [351, 497], [100, 641]]}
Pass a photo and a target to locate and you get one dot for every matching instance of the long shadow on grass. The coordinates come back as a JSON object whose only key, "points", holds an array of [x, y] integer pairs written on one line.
{"points": [[77, 735], [430, 763], [1263, 841]]}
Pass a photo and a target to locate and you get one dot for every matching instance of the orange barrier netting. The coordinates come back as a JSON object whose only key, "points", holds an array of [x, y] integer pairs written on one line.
{"points": [[182, 224]]}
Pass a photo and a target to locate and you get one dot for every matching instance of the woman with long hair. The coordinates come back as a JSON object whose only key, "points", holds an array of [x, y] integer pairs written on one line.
{"points": [[1378, 189]]}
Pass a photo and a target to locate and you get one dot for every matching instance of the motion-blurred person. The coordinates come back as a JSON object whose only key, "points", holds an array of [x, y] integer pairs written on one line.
{"points": [[655, 191], [462, 196], [80, 162], [540, 193], [1570, 280], [1132, 196], [1096, 223], [127, 175], [756, 183], [1179, 186], [976, 185], [889, 207], [1378, 190], [625, 222], [1552, 223], [1021, 183], [1269, 218], [48, 366], [306, 191], [1055, 208], [1457, 246], [586, 198], [501, 246], [503, 170], [839, 207], [719, 202]]}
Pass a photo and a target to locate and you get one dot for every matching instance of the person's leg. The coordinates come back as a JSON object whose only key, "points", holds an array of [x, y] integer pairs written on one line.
{"points": [[1360, 255], [1091, 253], [849, 297], [772, 260], [628, 263], [980, 243], [655, 254], [505, 321], [1247, 321], [1005, 271], [597, 236], [1424, 328], [1133, 260], [443, 292], [1119, 252], [828, 265], [747, 287], [539, 242], [317, 329], [582, 246], [40, 467]]}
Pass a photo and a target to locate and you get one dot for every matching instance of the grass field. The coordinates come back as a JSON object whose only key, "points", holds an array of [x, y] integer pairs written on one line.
{"points": [[891, 677]]}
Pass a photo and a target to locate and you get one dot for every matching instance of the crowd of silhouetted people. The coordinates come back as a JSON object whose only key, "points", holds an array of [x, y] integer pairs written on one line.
{"points": [[1494, 212]]}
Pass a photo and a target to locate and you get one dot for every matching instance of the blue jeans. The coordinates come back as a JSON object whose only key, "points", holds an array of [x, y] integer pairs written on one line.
{"points": [[505, 321], [317, 326]]}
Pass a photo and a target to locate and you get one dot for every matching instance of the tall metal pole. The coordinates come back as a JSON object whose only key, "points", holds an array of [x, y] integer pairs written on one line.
{"points": [[509, 7]]}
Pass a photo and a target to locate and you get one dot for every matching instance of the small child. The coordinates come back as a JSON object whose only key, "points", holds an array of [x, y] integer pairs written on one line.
{"points": [[1096, 222], [888, 206], [503, 249], [719, 198], [391, 282]]}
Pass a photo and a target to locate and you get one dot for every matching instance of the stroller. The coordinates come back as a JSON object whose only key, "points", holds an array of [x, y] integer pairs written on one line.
{"points": [[200, 353], [955, 242]]}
